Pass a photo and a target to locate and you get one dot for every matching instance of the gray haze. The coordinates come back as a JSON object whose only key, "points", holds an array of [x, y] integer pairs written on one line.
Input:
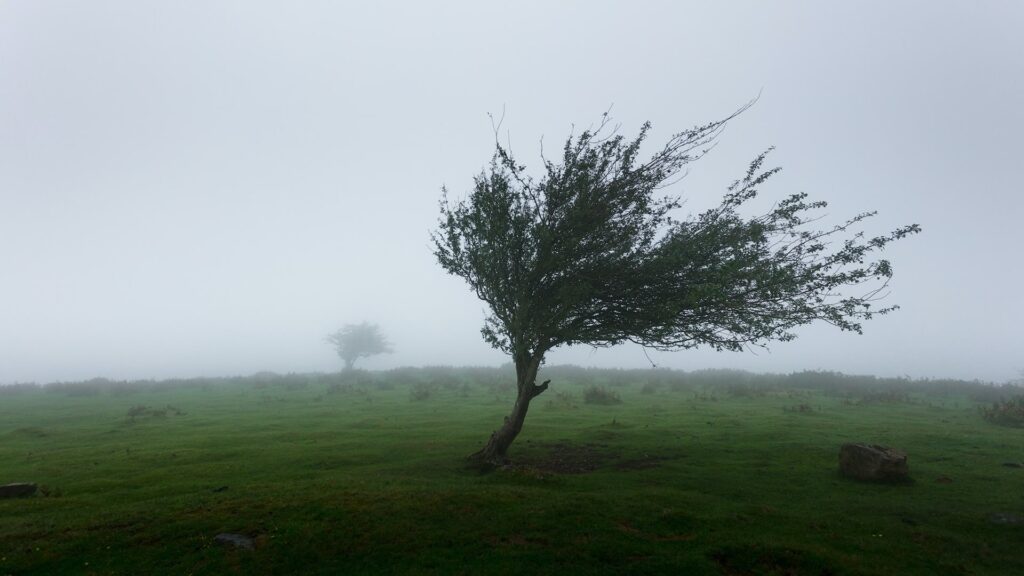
{"points": [[209, 188]]}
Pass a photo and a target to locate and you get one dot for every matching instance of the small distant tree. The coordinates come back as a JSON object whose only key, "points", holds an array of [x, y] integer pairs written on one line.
{"points": [[591, 253], [355, 341]]}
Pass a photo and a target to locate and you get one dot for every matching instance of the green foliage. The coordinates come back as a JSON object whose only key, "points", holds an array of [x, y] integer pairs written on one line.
{"points": [[600, 395], [1008, 412], [355, 341], [564, 400], [422, 391], [591, 253], [139, 411], [860, 389], [18, 388]]}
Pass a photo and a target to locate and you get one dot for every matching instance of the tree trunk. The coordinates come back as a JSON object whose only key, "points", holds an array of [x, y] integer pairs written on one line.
{"points": [[496, 450], [349, 364]]}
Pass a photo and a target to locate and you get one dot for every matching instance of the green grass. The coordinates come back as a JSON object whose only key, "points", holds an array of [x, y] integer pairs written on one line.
{"points": [[691, 478]]}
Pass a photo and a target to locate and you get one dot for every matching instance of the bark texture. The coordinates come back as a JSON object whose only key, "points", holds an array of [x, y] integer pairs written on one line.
{"points": [[495, 452]]}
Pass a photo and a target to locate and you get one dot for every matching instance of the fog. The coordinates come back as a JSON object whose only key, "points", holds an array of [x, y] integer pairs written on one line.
{"points": [[210, 188]]}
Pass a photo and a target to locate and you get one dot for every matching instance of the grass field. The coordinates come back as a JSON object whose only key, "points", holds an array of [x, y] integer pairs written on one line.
{"points": [[710, 473]]}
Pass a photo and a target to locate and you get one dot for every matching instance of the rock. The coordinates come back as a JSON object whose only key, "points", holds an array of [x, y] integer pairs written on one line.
{"points": [[873, 462], [235, 540], [1013, 464], [19, 490], [220, 489], [944, 480], [1006, 518]]}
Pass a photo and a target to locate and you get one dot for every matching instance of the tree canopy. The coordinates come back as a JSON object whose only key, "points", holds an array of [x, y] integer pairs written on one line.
{"points": [[591, 252], [355, 341]]}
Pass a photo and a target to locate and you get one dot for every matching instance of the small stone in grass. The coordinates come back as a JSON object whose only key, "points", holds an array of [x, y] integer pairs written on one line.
{"points": [[235, 540], [18, 490], [1006, 518], [873, 462]]}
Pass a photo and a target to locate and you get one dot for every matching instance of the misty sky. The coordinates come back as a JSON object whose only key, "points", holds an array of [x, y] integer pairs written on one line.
{"points": [[209, 188]]}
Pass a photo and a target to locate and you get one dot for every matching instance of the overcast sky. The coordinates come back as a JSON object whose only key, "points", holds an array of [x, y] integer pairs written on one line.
{"points": [[209, 188]]}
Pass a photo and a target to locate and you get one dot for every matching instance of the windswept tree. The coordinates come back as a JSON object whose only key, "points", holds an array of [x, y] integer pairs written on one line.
{"points": [[355, 341], [590, 252]]}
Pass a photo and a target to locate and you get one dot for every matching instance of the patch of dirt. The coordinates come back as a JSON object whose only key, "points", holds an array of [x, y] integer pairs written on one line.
{"points": [[564, 457]]}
